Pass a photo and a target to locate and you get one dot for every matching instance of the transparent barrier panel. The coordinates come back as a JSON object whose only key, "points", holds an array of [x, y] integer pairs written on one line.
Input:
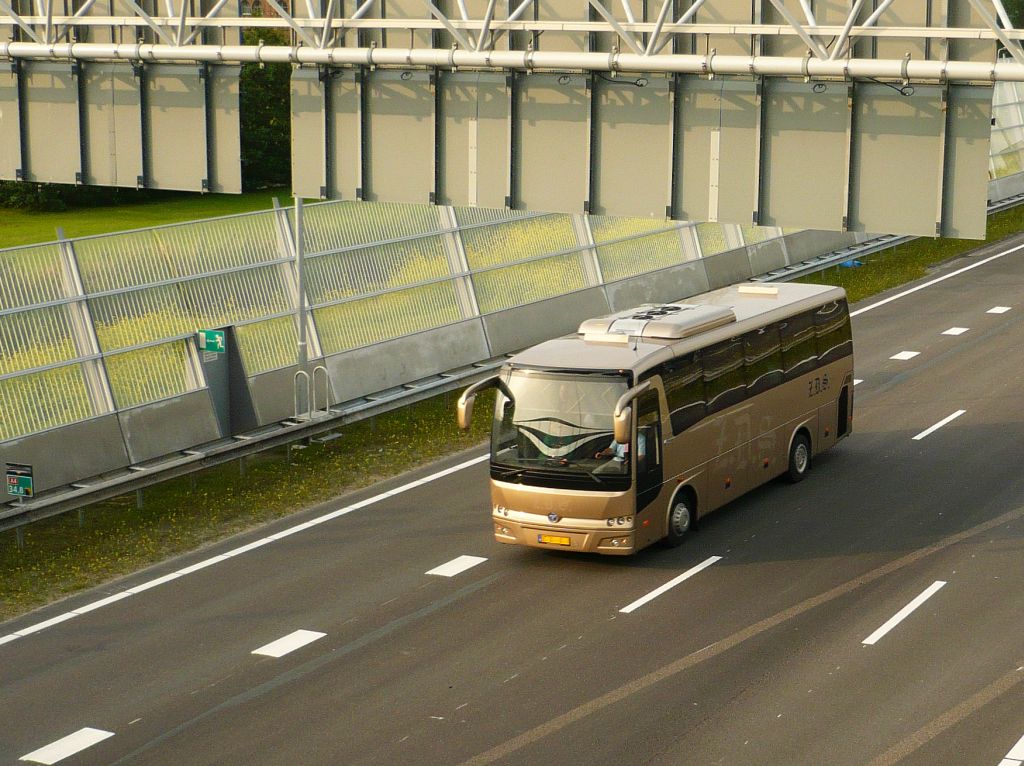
{"points": [[528, 282], [268, 345], [353, 272], [36, 338], [640, 255], [41, 400], [150, 374], [359, 323], [516, 240]]}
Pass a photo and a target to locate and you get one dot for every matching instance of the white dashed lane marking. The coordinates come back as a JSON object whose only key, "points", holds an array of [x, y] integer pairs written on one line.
{"points": [[1016, 755], [289, 643], [956, 331], [903, 613], [67, 746], [670, 584], [903, 356], [998, 310], [940, 424], [457, 566]]}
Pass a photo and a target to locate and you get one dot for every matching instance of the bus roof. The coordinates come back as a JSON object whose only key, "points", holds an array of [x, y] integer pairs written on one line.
{"points": [[647, 335]]}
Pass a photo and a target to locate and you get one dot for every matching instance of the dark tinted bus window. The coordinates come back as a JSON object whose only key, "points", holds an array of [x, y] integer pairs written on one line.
{"points": [[762, 352], [684, 390], [723, 374], [832, 327], [799, 354]]}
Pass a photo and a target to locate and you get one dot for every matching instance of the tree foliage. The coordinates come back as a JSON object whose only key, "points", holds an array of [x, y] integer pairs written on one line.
{"points": [[266, 118]]}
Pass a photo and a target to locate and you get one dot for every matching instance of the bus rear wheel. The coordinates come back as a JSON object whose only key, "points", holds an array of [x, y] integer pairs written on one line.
{"points": [[680, 521], [799, 458]]}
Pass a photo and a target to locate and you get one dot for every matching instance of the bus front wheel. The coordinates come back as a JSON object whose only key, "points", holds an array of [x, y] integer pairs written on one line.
{"points": [[799, 458], [680, 520]]}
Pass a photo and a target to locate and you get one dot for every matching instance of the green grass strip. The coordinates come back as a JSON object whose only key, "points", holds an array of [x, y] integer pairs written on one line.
{"points": [[26, 227]]}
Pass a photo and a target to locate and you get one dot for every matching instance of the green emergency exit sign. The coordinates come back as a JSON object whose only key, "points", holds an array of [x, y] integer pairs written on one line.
{"points": [[213, 341]]}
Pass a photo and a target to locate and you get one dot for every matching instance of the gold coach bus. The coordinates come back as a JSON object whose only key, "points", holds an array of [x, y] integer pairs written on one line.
{"points": [[646, 420]]}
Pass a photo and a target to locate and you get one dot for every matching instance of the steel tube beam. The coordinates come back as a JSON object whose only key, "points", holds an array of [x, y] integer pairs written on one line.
{"points": [[809, 41], [773, 66], [436, 13], [488, 16], [626, 36], [684, 19], [1011, 45], [19, 21], [841, 42]]}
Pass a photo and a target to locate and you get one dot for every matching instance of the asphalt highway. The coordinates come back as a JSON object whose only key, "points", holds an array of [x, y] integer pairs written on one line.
{"points": [[871, 615]]}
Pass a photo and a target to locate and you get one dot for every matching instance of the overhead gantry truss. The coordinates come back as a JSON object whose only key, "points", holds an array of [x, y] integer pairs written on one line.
{"points": [[904, 40], [855, 115]]}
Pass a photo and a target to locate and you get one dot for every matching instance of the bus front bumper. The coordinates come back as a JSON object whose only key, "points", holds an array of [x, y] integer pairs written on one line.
{"points": [[614, 541]]}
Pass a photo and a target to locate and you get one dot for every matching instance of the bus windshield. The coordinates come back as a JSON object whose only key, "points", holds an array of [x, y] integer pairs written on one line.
{"points": [[559, 422]]}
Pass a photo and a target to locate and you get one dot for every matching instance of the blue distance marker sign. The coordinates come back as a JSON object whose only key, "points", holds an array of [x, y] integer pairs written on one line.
{"points": [[19, 480], [213, 341]]}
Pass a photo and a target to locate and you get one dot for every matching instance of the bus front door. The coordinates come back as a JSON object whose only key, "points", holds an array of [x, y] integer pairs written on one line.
{"points": [[649, 471]]}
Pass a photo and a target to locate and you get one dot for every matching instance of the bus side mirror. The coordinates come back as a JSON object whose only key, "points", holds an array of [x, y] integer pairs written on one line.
{"points": [[465, 405], [465, 410], [623, 425]]}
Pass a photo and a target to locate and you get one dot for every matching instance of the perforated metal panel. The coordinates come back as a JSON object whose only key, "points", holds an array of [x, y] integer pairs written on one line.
{"points": [[308, 145], [225, 131], [717, 159], [805, 162], [52, 137], [474, 139], [10, 125], [897, 155], [633, 136], [552, 126], [176, 121], [113, 125], [346, 132], [401, 137], [967, 120]]}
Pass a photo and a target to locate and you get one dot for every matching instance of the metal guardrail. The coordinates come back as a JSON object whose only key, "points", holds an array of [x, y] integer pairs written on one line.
{"points": [[135, 477]]}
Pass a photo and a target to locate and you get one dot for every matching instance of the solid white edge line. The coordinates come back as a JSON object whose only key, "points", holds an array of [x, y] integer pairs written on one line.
{"points": [[46, 624], [456, 566], [940, 424], [903, 613], [669, 585], [101, 603], [935, 281], [290, 643], [1017, 751], [67, 746], [1010, 762], [225, 556]]}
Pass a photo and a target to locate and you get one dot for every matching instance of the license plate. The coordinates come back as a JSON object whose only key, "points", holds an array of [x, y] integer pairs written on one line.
{"points": [[553, 539]]}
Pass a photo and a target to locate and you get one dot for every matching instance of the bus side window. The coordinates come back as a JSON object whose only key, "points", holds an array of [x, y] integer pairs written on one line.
{"points": [[684, 390], [832, 328], [762, 353], [799, 355], [724, 375]]}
